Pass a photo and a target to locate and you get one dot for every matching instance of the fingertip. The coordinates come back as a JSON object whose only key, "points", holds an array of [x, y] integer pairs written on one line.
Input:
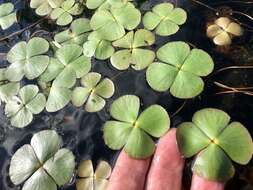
{"points": [[199, 183]]}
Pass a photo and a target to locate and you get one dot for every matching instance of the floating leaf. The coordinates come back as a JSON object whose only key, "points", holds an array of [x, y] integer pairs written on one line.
{"points": [[95, 46], [21, 108], [223, 31], [93, 92], [45, 7], [63, 14], [164, 19], [7, 16], [27, 59], [180, 71], [105, 4], [111, 24], [55, 167], [132, 132], [63, 70], [133, 53], [77, 33], [90, 180], [215, 142]]}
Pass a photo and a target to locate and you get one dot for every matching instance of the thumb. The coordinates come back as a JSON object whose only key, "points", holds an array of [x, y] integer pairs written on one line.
{"points": [[199, 183]]}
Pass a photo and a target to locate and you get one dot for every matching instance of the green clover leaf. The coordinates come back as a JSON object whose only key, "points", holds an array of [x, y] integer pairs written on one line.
{"points": [[93, 92], [7, 89], [76, 34], [63, 70], [216, 143], [45, 7], [7, 16], [95, 46], [133, 53], [111, 24], [133, 132], [63, 14], [90, 180], [105, 4], [42, 165], [27, 59], [180, 71], [164, 19], [21, 108]]}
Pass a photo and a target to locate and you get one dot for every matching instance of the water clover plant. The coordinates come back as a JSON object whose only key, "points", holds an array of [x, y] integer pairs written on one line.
{"points": [[42, 164], [7, 89], [133, 53], [180, 70], [45, 7], [20, 108], [64, 14], [111, 24], [68, 65], [164, 19], [27, 59], [90, 180], [97, 47], [77, 33], [223, 30], [93, 92], [216, 142], [7, 15], [131, 130], [105, 4]]}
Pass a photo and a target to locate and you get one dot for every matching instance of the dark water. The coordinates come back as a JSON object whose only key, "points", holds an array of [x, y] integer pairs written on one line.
{"points": [[81, 131]]}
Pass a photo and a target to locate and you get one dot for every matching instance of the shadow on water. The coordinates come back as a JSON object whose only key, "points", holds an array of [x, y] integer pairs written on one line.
{"points": [[81, 131]]}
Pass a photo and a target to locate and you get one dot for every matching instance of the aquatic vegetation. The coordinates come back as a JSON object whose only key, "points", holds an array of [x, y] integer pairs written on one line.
{"points": [[76, 34], [132, 130], [93, 92], [111, 24], [216, 142], [64, 14], [105, 4], [43, 164], [90, 180], [164, 19], [223, 31], [133, 54], [68, 65], [20, 108], [7, 15], [7, 89], [45, 7], [180, 71], [27, 59], [97, 47]]}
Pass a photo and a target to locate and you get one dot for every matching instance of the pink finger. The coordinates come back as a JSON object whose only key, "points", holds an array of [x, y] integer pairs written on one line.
{"points": [[128, 174], [199, 183], [167, 165]]}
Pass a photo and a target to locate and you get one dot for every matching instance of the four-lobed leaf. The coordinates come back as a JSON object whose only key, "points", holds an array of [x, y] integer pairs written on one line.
{"points": [[180, 70], [215, 143], [76, 34], [20, 108], [105, 4], [90, 180], [111, 24], [45, 7], [7, 15], [27, 59], [42, 165], [164, 19], [68, 65], [93, 92], [133, 52], [64, 14], [131, 130]]}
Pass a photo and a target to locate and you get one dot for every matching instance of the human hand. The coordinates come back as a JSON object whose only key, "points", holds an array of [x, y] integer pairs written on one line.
{"points": [[163, 172]]}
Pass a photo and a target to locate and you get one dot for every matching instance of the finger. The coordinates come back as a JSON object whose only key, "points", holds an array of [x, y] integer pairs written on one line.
{"points": [[128, 174], [199, 183], [167, 165]]}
